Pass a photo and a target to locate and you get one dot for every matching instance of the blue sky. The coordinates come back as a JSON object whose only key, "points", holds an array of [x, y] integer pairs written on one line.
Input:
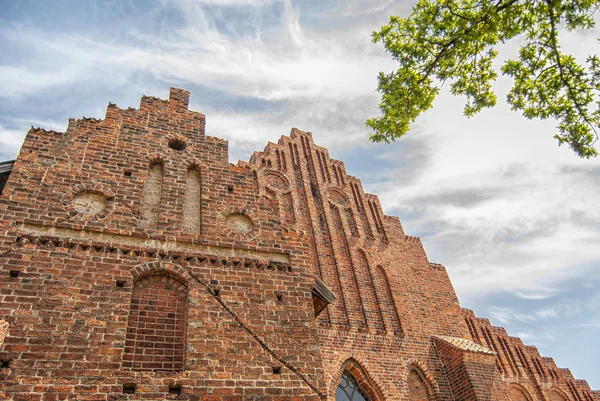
{"points": [[513, 217]]}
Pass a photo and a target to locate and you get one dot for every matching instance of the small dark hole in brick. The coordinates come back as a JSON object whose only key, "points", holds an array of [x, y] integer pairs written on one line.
{"points": [[177, 144], [279, 296], [128, 173], [5, 363], [214, 282], [120, 283], [276, 370], [230, 188], [217, 292], [14, 273], [174, 389], [129, 389]]}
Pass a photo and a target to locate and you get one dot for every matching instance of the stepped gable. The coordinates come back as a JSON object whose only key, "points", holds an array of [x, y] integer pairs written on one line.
{"points": [[139, 263], [517, 362]]}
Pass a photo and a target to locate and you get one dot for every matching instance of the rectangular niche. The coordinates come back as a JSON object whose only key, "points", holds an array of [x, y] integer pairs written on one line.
{"points": [[192, 207]]}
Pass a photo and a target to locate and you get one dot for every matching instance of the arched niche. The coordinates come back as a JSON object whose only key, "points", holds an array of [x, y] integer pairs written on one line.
{"points": [[518, 393], [419, 386], [554, 394]]}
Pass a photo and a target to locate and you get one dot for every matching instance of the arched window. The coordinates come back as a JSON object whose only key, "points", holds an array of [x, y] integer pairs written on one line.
{"points": [[350, 390], [157, 322], [418, 386]]}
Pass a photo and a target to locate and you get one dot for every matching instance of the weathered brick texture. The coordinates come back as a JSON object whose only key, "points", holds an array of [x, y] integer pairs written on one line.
{"points": [[156, 326], [139, 264]]}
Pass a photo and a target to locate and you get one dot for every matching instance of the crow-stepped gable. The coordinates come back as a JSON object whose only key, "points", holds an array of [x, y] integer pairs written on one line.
{"points": [[138, 263]]}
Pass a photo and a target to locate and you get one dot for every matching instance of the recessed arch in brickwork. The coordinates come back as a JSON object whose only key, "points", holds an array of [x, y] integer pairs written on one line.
{"points": [[517, 392], [420, 383], [157, 320], [169, 269], [276, 181], [555, 394]]}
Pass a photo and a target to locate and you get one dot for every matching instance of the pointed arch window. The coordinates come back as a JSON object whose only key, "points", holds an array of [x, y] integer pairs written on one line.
{"points": [[350, 390]]}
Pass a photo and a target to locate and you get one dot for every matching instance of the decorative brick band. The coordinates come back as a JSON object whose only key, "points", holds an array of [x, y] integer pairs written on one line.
{"points": [[69, 245], [148, 245]]}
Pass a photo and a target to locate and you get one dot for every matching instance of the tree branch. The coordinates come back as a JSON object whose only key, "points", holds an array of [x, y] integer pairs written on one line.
{"points": [[499, 7], [561, 74]]}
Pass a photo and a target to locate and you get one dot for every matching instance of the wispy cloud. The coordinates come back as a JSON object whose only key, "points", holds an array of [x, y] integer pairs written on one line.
{"points": [[276, 62]]}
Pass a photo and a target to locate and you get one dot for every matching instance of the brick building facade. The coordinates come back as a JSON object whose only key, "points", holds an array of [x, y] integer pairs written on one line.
{"points": [[138, 263]]}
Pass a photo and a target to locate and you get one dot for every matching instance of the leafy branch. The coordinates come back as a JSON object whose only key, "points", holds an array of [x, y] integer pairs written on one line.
{"points": [[454, 40]]}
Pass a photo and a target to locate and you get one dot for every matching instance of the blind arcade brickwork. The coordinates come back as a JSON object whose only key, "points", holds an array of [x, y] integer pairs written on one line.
{"points": [[138, 263]]}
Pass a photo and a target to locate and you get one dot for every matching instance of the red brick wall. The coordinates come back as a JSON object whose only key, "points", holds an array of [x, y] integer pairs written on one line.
{"points": [[70, 226], [156, 327]]}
